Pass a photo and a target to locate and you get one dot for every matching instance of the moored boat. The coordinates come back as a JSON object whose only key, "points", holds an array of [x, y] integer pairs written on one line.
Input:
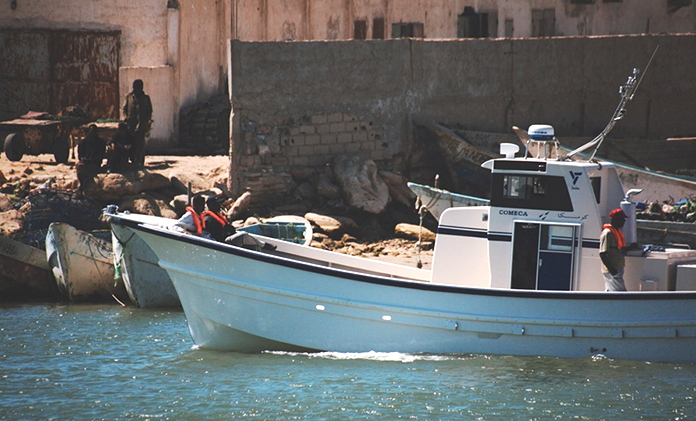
{"points": [[82, 265], [149, 286], [24, 273], [518, 276], [437, 200]]}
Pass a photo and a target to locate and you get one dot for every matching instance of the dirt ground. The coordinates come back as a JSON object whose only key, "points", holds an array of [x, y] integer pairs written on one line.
{"points": [[398, 250]]}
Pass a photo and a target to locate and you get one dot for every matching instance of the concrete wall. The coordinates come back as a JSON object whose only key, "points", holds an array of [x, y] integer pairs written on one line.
{"points": [[176, 47], [283, 94]]}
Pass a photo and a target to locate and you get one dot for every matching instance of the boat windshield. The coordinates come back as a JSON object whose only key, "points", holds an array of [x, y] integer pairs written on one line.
{"points": [[530, 192]]}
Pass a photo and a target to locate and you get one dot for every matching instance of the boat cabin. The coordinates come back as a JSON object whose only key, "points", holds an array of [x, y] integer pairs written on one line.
{"points": [[541, 231]]}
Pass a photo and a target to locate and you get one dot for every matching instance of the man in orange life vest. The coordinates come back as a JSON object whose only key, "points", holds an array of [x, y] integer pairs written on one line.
{"points": [[192, 220], [610, 244], [214, 222]]}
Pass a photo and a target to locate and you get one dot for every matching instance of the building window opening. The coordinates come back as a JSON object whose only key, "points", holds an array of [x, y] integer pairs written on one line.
{"points": [[378, 28], [408, 30], [360, 29], [543, 22], [471, 24]]}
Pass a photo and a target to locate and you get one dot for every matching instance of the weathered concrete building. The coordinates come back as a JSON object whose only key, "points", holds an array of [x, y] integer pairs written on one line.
{"points": [[296, 20], [88, 52]]}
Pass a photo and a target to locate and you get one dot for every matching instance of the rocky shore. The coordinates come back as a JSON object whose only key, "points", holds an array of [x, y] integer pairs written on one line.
{"points": [[379, 224]]}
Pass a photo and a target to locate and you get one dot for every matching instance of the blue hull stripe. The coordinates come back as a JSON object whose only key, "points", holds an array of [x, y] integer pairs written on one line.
{"points": [[495, 236]]}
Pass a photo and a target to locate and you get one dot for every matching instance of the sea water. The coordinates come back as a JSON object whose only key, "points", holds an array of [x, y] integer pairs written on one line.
{"points": [[106, 362]]}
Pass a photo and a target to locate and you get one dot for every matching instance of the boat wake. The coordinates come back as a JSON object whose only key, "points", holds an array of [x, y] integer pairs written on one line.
{"points": [[374, 356]]}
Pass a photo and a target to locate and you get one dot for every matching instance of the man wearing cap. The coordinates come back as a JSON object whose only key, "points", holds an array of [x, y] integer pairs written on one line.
{"points": [[214, 222], [610, 244]]}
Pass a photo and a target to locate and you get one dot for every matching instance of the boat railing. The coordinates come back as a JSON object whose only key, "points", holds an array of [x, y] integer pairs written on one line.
{"points": [[543, 149]]}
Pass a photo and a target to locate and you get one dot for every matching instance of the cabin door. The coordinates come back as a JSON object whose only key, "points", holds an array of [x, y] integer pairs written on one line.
{"points": [[543, 256]]}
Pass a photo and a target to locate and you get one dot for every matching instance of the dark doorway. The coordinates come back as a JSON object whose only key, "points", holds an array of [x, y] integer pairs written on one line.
{"points": [[471, 24], [360, 30]]}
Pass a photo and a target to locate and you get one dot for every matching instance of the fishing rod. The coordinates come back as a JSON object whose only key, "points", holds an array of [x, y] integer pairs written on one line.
{"points": [[627, 92]]}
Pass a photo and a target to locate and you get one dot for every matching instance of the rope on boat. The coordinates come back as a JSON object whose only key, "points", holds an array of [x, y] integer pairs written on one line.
{"points": [[108, 288], [422, 209]]}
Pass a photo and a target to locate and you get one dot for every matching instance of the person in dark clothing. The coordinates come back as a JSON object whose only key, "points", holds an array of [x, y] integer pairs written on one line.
{"points": [[121, 148], [90, 154], [192, 220], [214, 222], [612, 245], [137, 111]]}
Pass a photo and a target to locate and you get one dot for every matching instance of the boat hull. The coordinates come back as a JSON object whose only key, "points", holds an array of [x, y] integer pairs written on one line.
{"points": [[24, 273], [82, 265], [231, 296], [147, 284]]}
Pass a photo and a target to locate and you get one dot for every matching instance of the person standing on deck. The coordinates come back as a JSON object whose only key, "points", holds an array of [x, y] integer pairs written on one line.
{"points": [[138, 115], [611, 243]]}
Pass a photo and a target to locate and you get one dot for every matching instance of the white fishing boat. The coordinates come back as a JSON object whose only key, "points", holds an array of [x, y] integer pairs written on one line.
{"points": [[149, 286], [519, 276], [437, 200], [82, 265]]}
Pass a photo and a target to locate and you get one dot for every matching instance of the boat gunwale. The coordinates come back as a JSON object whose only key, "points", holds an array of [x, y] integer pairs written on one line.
{"points": [[405, 283]]}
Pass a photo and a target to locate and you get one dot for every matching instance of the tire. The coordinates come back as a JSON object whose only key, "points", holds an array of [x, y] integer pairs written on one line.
{"points": [[14, 146], [61, 149]]}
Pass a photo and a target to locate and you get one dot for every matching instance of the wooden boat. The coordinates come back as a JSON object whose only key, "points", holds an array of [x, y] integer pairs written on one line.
{"points": [[519, 276], [24, 273], [82, 265], [149, 286]]}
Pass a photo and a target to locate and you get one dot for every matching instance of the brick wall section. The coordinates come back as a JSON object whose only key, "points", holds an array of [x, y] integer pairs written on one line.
{"points": [[271, 152]]}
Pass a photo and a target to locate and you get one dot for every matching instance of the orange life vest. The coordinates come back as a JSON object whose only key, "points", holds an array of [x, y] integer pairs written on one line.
{"points": [[620, 240], [217, 217], [196, 219]]}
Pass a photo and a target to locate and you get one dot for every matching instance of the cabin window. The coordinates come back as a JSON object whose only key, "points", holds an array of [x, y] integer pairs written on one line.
{"points": [[530, 192], [596, 187], [523, 187]]}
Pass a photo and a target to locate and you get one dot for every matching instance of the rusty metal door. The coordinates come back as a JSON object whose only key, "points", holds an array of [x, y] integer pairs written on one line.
{"points": [[48, 70]]}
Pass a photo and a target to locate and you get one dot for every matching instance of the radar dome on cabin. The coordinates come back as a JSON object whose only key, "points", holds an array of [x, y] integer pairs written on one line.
{"points": [[541, 132]]}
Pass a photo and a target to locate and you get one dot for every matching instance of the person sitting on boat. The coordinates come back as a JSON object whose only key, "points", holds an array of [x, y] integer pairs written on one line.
{"points": [[611, 243], [214, 222], [192, 220]]}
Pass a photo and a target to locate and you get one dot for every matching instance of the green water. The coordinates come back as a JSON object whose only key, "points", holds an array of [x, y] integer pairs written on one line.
{"points": [[103, 362]]}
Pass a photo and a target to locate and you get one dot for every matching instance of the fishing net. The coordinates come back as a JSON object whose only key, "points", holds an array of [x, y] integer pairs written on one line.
{"points": [[57, 206]]}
